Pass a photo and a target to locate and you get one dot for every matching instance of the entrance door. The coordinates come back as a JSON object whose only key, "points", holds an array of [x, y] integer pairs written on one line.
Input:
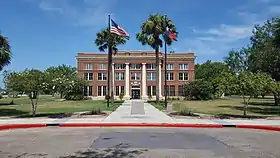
{"points": [[135, 93]]}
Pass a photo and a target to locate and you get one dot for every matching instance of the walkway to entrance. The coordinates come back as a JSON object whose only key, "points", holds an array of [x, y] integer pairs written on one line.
{"points": [[136, 111]]}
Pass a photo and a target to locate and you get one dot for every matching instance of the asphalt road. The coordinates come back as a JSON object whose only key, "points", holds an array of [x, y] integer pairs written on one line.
{"points": [[56, 142]]}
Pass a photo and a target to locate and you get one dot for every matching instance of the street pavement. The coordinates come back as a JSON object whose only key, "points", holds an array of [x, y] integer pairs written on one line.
{"points": [[136, 111], [57, 142]]}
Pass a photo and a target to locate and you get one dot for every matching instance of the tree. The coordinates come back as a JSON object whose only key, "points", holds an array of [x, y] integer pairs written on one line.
{"points": [[30, 82], [209, 70], [5, 52], [237, 61], [58, 77], [248, 85], [103, 40], [151, 30], [265, 56]]}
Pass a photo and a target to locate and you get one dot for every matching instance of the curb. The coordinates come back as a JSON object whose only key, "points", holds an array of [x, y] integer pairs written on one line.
{"points": [[18, 126]]}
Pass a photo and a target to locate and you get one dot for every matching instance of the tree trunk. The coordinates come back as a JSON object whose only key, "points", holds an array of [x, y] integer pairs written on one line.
{"points": [[61, 95], [157, 72], [245, 106], [276, 99]]}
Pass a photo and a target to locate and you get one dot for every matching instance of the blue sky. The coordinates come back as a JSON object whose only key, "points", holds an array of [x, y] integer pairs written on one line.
{"points": [[43, 33]]}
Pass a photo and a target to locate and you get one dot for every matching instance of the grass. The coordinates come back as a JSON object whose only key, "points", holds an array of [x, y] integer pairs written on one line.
{"points": [[48, 106], [229, 106]]}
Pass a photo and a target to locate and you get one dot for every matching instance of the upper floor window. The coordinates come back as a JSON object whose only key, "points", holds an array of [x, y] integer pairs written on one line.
{"points": [[119, 76], [151, 66], [119, 66], [183, 66], [102, 76], [135, 76], [170, 66], [135, 66], [102, 66], [170, 76], [88, 76], [183, 76], [151, 76], [88, 67]]}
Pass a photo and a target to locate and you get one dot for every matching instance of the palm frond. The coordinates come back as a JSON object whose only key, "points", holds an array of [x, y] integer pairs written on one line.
{"points": [[5, 52]]}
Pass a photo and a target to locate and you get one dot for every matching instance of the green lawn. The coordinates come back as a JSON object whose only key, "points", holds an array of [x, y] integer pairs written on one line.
{"points": [[49, 105], [229, 106]]}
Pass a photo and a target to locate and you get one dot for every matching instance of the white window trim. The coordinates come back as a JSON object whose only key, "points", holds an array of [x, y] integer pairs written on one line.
{"points": [[117, 75], [168, 76], [168, 67], [183, 67], [103, 67], [183, 76], [87, 67], [151, 79], [102, 76], [135, 77], [88, 76]]}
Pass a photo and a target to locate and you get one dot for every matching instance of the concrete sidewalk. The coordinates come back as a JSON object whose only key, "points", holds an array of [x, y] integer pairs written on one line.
{"points": [[136, 111]]}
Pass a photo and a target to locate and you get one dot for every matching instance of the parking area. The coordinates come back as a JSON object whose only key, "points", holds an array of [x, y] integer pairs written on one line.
{"points": [[55, 142]]}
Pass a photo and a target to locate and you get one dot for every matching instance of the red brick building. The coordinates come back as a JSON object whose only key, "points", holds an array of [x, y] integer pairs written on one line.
{"points": [[134, 73]]}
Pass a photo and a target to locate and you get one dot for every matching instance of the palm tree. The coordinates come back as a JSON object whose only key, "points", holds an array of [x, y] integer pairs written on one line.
{"points": [[151, 32], [103, 38], [5, 52]]}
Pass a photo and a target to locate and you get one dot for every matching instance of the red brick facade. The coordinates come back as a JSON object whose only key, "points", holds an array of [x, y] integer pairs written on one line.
{"points": [[91, 63]]}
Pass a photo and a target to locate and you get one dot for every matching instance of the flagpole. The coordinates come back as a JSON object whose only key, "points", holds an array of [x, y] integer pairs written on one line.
{"points": [[165, 66], [109, 62]]}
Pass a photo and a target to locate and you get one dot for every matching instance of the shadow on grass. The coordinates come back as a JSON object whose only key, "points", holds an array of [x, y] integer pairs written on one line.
{"points": [[12, 112], [49, 115], [261, 103], [264, 111], [117, 152]]}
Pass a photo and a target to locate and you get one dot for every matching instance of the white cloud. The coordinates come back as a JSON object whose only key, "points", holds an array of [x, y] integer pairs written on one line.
{"points": [[90, 13]]}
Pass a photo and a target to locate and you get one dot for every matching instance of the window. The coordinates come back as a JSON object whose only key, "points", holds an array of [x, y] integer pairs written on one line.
{"points": [[119, 76], [119, 90], [122, 89], [172, 90], [183, 66], [167, 91], [170, 76], [151, 90], [135, 76], [88, 91], [102, 66], [181, 90], [154, 90], [151, 76], [119, 66], [183, 76], [151, 66], [88, 67], [135, 66], [88, 76], [102, 76], [170, 67], [101, 90]]}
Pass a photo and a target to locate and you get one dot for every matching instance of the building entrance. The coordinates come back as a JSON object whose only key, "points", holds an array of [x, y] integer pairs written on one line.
{"points": [[135, 94]]}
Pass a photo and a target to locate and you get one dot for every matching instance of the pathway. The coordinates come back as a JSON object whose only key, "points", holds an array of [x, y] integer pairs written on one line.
{"points": [[137, 111]]}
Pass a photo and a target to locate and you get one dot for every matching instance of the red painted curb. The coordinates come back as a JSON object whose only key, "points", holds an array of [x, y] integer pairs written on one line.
{"points": [[271, 128], [15, 126], [140, 125]]}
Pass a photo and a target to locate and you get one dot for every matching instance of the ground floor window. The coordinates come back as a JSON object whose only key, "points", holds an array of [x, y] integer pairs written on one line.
{"points": [[101, 90], [181, 90], [172, 90], [88, 91], [119, 90], [151, 90]]}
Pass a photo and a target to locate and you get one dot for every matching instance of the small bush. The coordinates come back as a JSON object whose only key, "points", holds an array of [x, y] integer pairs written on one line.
{"points": [[95, 111], [186, 112], [121, 96], [1, 96], [107, 97]]}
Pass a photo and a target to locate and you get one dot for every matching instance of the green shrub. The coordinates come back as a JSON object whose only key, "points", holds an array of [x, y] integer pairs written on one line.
{"points": [[1, 96], [199, 90], [121, 96], [186, 112]]}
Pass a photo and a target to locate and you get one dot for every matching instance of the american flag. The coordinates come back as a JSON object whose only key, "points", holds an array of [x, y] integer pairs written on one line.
{"points": [[116, 29]]}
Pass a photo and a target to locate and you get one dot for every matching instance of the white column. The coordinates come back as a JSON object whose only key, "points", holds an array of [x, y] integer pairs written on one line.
{"points": [[159, 85], [144, 83], [127, 96], [113, 78]]}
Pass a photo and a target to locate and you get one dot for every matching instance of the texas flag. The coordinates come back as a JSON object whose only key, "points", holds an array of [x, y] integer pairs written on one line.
{"points": [[170, 34]]}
